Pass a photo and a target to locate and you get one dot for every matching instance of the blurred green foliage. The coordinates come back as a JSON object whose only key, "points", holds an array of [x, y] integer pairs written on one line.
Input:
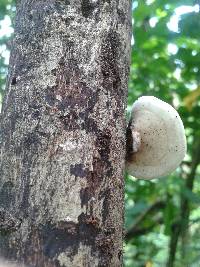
{"points": [[162, 216]]}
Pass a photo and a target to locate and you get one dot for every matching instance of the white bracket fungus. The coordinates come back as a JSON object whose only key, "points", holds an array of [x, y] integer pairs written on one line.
{"points": [[156, 142]]}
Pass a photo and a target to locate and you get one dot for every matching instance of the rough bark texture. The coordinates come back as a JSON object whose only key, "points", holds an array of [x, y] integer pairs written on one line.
{"points": [[63, 134]]}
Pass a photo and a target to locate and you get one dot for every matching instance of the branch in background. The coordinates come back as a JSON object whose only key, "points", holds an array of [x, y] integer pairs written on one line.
{"points": [[181, 225], [136, 229], [175, 232]]}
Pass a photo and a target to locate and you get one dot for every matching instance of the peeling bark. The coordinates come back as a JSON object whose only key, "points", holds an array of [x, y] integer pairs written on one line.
{"points": [[63, 134]]}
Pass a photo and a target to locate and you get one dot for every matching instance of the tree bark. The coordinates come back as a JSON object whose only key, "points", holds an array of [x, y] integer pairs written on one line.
{"points": [[63, 134]]}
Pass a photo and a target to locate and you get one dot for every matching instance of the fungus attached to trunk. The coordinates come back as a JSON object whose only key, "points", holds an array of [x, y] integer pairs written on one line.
{"points": [[156, 142]]}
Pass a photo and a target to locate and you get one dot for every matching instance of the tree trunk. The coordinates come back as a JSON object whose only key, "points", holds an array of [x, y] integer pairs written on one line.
{"points": [[63, 134]]}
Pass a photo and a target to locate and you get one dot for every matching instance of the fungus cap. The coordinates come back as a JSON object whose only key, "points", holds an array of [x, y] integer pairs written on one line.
{"points": [[162, 139]]}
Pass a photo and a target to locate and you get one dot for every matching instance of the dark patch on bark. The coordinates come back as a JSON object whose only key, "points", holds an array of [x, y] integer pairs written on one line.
{"points": [[65, 236], [36, 114], [105, 245], [79, 95], [85, 195], [6, 194], [106, 195], [121, 16], [89, 124], [28, 149], [25, 188], [103, 146], [36, 257], [50, 96], [55, 239], [14, 81], [109, 62], [54, 72], [87, 8], [78, 170], [70, 121], [69, 98], [31, 142], [8, 222], [13, 121], [102, 168]]}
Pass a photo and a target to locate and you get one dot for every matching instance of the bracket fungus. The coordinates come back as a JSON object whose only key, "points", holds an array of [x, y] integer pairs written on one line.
{"points": [[156, 142]]}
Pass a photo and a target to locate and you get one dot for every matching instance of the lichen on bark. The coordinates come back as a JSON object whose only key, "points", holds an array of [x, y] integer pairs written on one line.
{"points": [[63, 133]]}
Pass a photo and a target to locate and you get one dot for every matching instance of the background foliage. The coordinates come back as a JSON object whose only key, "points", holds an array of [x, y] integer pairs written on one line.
{"points": [[162, 216]]}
